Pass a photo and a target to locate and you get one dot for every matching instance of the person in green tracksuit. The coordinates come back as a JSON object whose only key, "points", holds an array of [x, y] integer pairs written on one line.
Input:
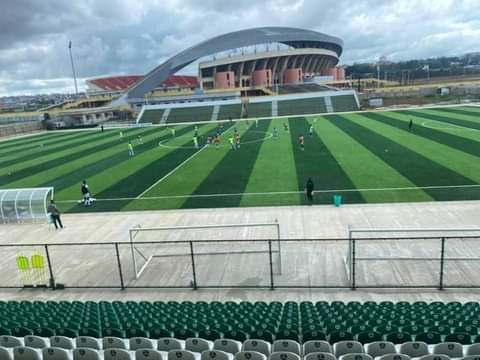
{"points": [[130, 149]]}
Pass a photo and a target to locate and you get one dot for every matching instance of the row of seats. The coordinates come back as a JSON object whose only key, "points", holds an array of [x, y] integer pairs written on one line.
{"points": [[337, 321], [196, 345]]}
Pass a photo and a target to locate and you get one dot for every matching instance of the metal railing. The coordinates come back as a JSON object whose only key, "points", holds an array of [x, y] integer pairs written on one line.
{"points": [[109, 265]]}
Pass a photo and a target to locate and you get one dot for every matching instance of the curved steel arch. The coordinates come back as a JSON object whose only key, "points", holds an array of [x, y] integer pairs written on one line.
{"points": [[297, 38]]}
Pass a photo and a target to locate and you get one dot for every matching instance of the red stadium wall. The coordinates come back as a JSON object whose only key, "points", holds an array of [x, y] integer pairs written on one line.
{"points": [[225, 80], [340, 74], [293, 76], [262, 78]]}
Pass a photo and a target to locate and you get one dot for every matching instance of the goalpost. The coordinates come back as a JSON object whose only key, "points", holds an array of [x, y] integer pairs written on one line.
{"points": [[203, 234], [399, 234]]}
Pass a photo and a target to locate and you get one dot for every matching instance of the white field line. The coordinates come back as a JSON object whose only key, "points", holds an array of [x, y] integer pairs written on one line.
{"points": [[449, 126], [408, 188], [170, 173]]}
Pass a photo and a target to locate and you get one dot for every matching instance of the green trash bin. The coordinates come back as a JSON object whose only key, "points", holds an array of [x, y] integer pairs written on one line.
{"points": [[337, 200]]}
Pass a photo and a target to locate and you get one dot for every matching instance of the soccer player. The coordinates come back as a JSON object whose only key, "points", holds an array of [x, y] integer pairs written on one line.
{"points": [[195, 142], [209, 140], [130, 149], [275, 132], [301, 142], [85, 193], [256, 123], [309, 190], [285, 126], [217, 142], [232, 144], [310, 130], [237, 141], [140, 139], [410, 125], [121, 134]]}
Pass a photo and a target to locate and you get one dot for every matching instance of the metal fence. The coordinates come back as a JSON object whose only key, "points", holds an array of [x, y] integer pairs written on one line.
{"points": [[412, 262]]}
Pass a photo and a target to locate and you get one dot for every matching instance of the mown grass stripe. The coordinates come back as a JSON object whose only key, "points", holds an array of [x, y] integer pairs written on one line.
{"points": [[460, 111], [232, 173], [22, 141], [401, 122], [450, 120], [274, 171], [14, 174], [186, 180], [319, 164], [472, 117], [364, 168], [403, 152], [36, 156]]}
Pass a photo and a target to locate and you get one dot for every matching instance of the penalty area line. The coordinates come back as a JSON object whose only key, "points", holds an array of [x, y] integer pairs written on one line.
{"points": [[170, 173]]}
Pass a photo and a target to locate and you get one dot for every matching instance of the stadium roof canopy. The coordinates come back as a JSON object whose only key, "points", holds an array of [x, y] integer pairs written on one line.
{"points": [[296, 38]]}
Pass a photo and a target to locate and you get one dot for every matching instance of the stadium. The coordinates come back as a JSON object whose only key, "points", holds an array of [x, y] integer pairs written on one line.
{"points": [[252, 212]]}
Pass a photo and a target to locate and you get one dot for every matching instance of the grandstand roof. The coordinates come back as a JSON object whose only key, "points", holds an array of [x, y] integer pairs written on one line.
{"points": [[120, 83], [296, 38]]}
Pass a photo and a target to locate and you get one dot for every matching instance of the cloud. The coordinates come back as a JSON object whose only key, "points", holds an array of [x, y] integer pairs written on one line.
{"points": [[133, 36]]}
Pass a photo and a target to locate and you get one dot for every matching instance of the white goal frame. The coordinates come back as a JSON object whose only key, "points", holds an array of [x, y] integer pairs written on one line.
{"points": [[135, 251]]}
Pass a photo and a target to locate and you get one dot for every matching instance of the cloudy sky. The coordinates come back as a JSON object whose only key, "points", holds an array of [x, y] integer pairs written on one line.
{"points": [[132, 36]]}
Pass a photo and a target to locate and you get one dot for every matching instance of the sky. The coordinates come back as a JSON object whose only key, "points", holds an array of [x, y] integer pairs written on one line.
{"points": [[112, 37]]}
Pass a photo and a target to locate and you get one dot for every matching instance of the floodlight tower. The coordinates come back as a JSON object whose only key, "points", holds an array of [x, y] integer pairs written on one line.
{"points": [[73, 67]]}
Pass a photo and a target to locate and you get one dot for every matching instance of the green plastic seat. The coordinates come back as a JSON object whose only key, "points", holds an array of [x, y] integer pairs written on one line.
{"points": [[398, 337], [313, 335], [368, 337], [337, 336], [429, 337], [462, 338], [236, 335], [44, 331], [210, 334]]}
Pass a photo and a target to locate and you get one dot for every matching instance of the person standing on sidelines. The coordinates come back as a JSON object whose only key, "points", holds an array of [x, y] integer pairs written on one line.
{"points": [[217, 142], [309, 190], [130, 149], [121, 134], [195, 142], [410, 125], [310, 130], [86, 193], [173, 131], [237, 140], [231, 142], [54, 214]]}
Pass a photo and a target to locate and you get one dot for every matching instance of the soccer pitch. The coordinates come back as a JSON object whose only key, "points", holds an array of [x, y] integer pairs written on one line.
{"points": [[365, 157]]}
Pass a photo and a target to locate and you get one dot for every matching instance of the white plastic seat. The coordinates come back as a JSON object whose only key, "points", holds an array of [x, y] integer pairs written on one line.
{"points": [[86, 354], [379, 348], [287, 346], [112, 342], [434, 357], [167, 344], [393, 357], [198, 345], [26, 353], [150, 354], [227, 345], [355, 356], [88, 342], [62, 342], [137, 343], [117, 354], [414, 348], [36, 342], [473, 349], [320, 356], [8, 341], [451, 349], [261, 346], [6, 353], [471, 357], [347, 347], [249, 355], [183, 355], [56, 353], [317, 346], [284, 355], [215, 355]]}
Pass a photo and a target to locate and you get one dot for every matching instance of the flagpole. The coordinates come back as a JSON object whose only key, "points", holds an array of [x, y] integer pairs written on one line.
{"points": [[73, 67]]}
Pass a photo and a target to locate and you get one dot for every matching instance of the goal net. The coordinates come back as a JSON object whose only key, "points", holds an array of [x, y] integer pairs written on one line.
{"points": [[230, 246]]}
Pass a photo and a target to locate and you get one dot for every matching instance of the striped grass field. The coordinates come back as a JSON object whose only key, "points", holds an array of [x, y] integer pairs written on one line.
{"points": [[365, 157]]}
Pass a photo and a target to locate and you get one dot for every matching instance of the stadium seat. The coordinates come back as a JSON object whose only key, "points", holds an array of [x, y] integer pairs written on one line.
{"points": [[26, 353], [379, 348], [117, 354], [216, 355], [183, 355], [471, 357], [284, 355], [257, 345], [137, 343], [249, 355], [36, 342], [394, 357], [473, 349], [286, 346], [320, 356], [55, 353], [111, 342], [86, 354], [228, 345], [62, 342], [434, 357], [398, 337], [167, 344], [347, 347], [462, 338], [317, 346], [6, 353], [429, 337], [150, 354], [414, 349], [451, 349], [198, 345], [7, 341], [88, 342], [353, 356]]}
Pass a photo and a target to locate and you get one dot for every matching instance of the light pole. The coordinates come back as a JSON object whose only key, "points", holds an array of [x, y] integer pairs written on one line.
{"points": [[73, 67]]}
